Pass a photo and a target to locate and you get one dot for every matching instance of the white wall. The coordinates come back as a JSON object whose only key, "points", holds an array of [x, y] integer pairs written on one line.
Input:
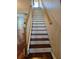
{"points": [[54, 11]]}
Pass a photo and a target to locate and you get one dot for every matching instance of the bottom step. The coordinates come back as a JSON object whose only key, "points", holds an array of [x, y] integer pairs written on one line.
{"points": [[40, 56]]}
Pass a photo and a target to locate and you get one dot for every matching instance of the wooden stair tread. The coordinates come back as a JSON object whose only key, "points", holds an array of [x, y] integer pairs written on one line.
{"points": [[38, 25], [40, 46], [39, 28], [39, 33], [39, 42], [38, 21], [39, 50], [39, 39], [39, 36], [44, 55]]}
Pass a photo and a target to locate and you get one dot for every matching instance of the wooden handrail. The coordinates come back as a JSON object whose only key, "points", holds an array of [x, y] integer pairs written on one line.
{"points": [[46, 13], [28, 33], [50, 22]]}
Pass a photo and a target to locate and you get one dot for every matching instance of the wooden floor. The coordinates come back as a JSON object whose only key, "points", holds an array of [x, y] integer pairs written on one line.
{"points": [[40, 56]]}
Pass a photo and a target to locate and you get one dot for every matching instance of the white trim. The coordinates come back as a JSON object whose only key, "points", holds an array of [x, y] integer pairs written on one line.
{"points": [[53, 55]]}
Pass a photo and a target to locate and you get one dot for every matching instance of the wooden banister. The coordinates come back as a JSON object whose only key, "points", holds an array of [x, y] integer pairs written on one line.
{"points": [[27, 29], [46, 13], [50, 21], [23, 46]]}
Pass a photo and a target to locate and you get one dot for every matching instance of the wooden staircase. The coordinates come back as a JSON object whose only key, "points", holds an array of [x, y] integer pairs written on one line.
{"points": [[39, 43]]}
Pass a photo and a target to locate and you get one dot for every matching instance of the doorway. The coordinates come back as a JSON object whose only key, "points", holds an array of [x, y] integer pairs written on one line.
{"points": [[36, 3]]}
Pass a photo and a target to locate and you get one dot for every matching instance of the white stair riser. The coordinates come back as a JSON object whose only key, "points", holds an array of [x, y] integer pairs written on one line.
{"points": [[40, 50], [39, 42]]}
